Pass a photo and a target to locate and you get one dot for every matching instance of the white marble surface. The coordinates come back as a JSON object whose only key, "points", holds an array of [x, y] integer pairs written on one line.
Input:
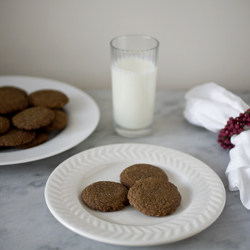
{"points": [[27, 224]]}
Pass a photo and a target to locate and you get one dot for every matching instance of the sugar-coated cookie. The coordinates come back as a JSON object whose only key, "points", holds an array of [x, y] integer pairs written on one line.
{"points": [[16, 137], [48, 98], [12, 99], [105, 196], [33, 118], [154, 197], [4, 124], [59, 122], [133, 173], [40, 138]]}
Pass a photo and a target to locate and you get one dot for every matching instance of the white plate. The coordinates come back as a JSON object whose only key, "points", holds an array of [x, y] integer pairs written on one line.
{"points": [[83, 117], [203, 195]]}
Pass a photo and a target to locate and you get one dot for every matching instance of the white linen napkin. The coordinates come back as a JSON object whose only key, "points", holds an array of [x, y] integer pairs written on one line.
{"points": [[210, 106]]}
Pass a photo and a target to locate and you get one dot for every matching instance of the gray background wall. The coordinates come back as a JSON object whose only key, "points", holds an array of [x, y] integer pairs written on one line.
{"points": [[68, 40]]}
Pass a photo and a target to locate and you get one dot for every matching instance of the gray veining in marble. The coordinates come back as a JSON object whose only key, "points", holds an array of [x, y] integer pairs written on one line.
{"points": [[27, 224]]}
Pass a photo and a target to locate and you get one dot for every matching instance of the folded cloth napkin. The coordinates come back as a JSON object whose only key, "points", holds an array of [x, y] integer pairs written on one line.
{"points": [[210, 106]]}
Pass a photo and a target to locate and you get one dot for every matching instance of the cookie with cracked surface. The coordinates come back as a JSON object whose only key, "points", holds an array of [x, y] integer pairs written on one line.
{"points": [[12, 99], [154, 197], [16, 137], [105, 196], [133, 173], [33, 118], [48, 98]]}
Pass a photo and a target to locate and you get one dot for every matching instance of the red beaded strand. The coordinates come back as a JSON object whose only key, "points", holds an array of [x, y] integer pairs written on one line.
{"points": [[234, 127]]}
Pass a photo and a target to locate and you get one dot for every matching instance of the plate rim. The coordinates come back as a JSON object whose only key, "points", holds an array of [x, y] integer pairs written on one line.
{"points": [[73, 88], [127, 243]]}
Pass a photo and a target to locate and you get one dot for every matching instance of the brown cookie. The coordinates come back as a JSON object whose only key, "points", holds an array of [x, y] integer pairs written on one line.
{"points": [[12, 99], [4, 124], [48, 98], [59, 122], [16, 137], [105, 196], [154, 197], [40, 138], [131, 174], [33, 118]]}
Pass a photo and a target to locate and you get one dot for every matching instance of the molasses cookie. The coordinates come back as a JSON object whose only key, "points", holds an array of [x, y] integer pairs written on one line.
{"points": [[48, 98], [105, 196], [16, 137], [4, 124], [154, 197], [12, 99], [33, 118], [59, 122], [40, 138], [133, 173]]}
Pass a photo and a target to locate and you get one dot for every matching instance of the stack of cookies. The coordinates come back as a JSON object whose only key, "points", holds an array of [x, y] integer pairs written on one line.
{"points": [[27, 119], [144, 186]]}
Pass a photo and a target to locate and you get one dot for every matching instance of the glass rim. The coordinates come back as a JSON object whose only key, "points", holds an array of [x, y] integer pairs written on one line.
{"points": [[129, 35]]}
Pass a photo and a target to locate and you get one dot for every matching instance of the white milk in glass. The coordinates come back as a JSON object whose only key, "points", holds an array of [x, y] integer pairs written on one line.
{"points": [[133, 89]]}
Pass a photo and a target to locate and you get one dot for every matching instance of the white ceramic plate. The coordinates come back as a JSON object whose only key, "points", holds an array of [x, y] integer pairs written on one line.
{"points": [[83, 117], [203, 195]]}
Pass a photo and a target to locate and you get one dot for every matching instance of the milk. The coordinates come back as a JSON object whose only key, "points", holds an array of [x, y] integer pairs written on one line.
{"points": [[133, 90]]}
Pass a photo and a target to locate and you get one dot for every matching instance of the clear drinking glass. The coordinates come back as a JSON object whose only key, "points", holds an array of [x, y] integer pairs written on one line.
{"points": [[134, 76]]}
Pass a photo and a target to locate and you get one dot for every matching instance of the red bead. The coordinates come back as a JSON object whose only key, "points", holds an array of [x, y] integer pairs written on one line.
{"points": [[233, 126]]}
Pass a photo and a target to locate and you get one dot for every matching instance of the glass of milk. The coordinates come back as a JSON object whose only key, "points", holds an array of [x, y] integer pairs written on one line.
{"points": [[134, 75]]}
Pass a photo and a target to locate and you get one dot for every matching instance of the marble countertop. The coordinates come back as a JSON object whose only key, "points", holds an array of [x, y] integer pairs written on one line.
{"points": [[27, 224]]}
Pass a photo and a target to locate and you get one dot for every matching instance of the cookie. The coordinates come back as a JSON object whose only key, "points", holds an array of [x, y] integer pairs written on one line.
{"points": [[33, 118], [16, 137], [59, 122], [131, 174], [40, 138], [105, 196], [12, 99], [154, 197], [48, 98], [4, 124]]}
